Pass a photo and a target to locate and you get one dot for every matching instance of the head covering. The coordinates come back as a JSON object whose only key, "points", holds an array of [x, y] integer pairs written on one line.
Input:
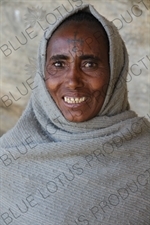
{"points": [[56, 172]]}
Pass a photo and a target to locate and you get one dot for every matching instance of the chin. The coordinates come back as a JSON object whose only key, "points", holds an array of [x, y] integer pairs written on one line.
{"points": [[77, 119]]}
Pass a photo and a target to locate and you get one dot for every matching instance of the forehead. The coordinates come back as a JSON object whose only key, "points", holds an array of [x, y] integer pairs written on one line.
{"points": [[78, 34]]}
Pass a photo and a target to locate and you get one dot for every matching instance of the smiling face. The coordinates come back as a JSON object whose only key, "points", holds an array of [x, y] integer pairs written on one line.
{"points": [[77, 70]]}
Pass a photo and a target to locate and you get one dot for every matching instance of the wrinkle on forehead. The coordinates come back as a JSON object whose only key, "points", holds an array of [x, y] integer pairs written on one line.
{"points": [[97, 32]]}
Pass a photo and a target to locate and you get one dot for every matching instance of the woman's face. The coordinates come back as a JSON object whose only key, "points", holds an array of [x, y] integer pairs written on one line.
{"points": [[77, 70]]}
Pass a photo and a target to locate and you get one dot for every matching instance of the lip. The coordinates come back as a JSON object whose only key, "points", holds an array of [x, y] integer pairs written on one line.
{"points": [[74, 105], [75, 95]]}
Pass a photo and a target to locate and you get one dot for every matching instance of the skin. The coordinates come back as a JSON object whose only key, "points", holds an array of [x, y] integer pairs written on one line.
{"points": [[77, 65]]}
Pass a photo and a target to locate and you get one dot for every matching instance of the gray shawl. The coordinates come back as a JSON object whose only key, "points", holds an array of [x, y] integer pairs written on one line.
{"points": [[56, 172]]}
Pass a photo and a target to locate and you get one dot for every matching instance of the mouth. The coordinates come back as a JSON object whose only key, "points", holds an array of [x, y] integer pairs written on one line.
{"points": [[74, 100]]}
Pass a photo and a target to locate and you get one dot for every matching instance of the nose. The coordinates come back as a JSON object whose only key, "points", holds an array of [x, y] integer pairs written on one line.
{"points": [[74, 77]]}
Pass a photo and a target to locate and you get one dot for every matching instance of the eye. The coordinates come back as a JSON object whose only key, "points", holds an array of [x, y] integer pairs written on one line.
{"points": [[90, 64], [59, 64], [56, 67]]}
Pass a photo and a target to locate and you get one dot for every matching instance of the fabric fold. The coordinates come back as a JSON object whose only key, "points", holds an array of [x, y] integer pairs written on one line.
{"points": [[56, 172]]}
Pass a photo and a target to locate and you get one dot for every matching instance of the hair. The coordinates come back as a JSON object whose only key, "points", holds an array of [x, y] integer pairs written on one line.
{"points": [[81, 17]]}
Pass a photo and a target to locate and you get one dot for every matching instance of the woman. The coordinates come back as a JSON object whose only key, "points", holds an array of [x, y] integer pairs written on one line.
{"points": [[78, 155]]}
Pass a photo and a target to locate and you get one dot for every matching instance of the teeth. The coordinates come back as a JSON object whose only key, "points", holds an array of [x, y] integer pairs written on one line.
{"points": [[74, 100]]}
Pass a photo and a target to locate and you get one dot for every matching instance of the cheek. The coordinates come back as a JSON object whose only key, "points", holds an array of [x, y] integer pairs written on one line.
{"points": [[99, 87], [99, 84], [51, 83]]}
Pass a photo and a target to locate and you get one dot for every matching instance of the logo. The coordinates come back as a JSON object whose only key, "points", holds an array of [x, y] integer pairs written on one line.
{"points": [[34, 14]]}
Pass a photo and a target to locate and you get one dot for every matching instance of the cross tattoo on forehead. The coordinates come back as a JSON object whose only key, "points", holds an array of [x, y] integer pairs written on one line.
{"points": [[75, 42]]}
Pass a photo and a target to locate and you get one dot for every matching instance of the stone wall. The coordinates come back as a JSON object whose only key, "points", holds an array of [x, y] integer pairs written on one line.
{"points": [[22, 24]]}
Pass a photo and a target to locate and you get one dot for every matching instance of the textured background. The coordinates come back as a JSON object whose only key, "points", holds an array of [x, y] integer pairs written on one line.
{"points": [[17, 63]]}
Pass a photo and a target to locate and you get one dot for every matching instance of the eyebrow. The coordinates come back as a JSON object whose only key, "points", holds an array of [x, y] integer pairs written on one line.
{"points": [[58, 57], [82, 57], [94, 57]]}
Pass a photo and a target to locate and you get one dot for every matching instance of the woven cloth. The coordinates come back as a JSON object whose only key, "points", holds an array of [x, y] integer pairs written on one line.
{"points": [[56, 172]]}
